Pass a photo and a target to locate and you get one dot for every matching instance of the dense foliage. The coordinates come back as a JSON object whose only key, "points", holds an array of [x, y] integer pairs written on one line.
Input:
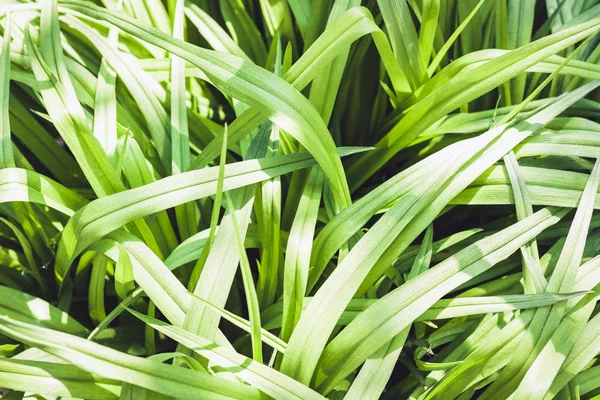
{"points": [[299, 199]]}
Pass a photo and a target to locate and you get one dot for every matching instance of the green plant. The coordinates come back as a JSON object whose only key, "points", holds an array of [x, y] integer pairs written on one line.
{"points": [[406, 187]]}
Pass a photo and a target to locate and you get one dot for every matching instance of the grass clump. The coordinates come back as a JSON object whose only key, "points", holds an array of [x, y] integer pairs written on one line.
{"points": [[299, 199]]}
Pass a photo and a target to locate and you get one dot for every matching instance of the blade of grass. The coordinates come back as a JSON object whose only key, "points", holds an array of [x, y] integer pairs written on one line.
{"points": [[111, 364], [6, 153], [249, 291], [267, 379]]}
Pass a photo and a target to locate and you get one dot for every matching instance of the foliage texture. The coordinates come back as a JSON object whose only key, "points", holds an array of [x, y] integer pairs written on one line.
{"points": [[299, 199]]}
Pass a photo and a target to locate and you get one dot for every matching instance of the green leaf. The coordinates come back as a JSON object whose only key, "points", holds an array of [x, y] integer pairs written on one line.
{"points": [[111, 364], [6, 153], [29, 186], [249, 290], [520, 25], [56, 380], [124, 281], [533, 277], [395, 311], [459, 91], [212, 31], [64, 108], [96, 291], [267, 379], [35, 310], [404, 40], [111, 212], [282, 104], [298, 251], [525, 364], [186, 214]]}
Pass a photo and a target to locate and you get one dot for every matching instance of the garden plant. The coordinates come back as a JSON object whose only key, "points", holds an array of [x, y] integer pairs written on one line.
{"points": [[299, 199]]}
